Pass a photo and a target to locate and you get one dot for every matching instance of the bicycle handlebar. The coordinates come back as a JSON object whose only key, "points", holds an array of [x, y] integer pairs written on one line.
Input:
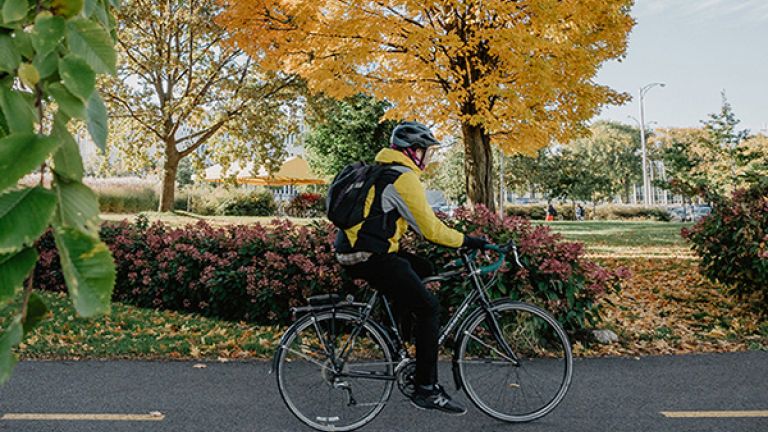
{"points": [[501, 250]]}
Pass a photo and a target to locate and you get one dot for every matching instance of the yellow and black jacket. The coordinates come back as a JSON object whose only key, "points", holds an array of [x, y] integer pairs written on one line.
{"points": [[396, 200]]}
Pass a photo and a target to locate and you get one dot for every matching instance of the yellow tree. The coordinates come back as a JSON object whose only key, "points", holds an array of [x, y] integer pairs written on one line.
{"points": [[518, 74]]}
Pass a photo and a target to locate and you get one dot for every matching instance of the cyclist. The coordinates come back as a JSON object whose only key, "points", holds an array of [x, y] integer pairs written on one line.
{"points": [[370, 250]]}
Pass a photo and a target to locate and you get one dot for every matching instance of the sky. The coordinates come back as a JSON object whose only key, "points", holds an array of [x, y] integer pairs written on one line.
{"points": [[697, 48]]}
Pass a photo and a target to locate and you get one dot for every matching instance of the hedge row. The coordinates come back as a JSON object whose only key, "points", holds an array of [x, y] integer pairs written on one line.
{"points": [[256, 273], [602, 212]]}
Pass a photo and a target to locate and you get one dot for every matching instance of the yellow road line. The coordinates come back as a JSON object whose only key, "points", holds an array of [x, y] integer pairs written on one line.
{"points": [[706, 414], [83, 417]]}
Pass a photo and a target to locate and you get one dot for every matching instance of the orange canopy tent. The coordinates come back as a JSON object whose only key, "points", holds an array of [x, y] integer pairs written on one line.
{"points": [[294, 171]]}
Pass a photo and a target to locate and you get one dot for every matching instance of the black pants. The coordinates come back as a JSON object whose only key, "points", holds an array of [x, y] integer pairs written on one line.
{"points": [[398, 276]]}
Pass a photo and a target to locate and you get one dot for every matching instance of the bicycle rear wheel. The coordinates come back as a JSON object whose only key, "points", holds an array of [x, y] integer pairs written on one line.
{"points": [[501, 389], [334, 394]]}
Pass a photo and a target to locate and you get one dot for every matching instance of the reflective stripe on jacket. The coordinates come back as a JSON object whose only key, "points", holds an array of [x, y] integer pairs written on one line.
{"points": [[397, 200]]}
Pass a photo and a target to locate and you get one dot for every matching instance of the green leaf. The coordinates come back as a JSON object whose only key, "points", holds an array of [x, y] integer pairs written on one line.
{"points": [[112, 27], [48, 34], [14, 269], [90, 7], [97, 121], [88, 270], [67, 160], [67, 8], [29, 75], [20, 153], [78, 207], [10, 338], [46, 64], [69, 104], [77, 76], [14, 10], [36, 311], [101, 14], [18, 113], [24, 44], [24, 215], [9, 54], [90, 41], [3, 125]]}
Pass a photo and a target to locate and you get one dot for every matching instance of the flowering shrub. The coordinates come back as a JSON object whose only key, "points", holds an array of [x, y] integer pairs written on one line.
{"points": [[556, 276], [248, 204], [256, 273], [733, 242], [250, 273], [306, 205]]}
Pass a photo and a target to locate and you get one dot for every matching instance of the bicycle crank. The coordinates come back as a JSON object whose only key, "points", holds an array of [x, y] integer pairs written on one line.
{"points": [[405, 378]]}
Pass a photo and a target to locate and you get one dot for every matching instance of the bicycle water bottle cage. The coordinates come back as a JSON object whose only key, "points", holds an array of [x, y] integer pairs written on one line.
{"points": [[324, 299]]}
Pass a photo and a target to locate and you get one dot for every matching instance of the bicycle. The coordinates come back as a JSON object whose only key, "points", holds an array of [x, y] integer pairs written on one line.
{"points": [[336, 366]]}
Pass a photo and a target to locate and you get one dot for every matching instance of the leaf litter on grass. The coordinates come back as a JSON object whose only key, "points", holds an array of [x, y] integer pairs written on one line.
{"points": [[667, 307]]}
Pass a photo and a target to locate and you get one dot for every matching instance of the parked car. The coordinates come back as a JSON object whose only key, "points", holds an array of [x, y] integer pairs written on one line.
{"points": [[524, 200], [689, 213], [677, 213], [700, 212], [448, 209]]}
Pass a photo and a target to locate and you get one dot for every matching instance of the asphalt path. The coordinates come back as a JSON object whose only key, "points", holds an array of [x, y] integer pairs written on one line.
{"points": [[607, 394]]}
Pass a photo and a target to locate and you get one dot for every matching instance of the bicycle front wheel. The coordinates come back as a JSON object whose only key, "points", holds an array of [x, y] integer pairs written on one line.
{"points": [[333, 373], [523, 380]]}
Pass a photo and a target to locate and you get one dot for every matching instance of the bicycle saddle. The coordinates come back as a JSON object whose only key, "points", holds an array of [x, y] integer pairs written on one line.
{"points": [[324, 299]]}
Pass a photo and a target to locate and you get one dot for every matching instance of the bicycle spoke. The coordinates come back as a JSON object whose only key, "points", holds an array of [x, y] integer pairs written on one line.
{"points": [[307, 358], [538, 380], [321, 392], [490, 347]]}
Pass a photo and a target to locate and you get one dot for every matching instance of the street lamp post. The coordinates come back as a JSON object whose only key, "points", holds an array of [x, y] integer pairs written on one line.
{"points": [[644, 171], [646, 183]]}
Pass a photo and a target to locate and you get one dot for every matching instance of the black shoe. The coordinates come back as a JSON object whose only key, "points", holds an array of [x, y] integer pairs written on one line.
{"points": [[437, 399]]}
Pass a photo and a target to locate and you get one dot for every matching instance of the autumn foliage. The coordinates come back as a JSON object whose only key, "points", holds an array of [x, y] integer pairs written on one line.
{"points": [[306, 205], [557, 275], [518, 74], [256, 273], [733, 243]]}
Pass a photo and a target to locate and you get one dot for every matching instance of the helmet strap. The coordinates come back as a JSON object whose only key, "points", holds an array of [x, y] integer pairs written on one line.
{"points": [[412, 154]]}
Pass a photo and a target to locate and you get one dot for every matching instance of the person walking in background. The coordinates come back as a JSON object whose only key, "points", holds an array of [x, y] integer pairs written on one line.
{"points": [[579, 212], [551, 212]]}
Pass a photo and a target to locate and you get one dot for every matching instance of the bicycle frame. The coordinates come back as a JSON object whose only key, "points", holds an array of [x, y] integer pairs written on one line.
{"points": [[477, 295]]}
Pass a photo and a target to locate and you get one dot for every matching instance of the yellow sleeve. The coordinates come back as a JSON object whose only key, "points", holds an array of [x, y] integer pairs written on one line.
{"points": [[407, 194]]}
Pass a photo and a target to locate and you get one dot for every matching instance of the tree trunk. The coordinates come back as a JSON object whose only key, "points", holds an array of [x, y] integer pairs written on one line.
{"points": [[573, 206], [170, 168], [626, 193], [478, 166]]}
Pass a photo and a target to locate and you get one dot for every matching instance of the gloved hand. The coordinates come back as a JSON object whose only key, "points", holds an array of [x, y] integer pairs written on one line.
{"points": [[474, 242]]}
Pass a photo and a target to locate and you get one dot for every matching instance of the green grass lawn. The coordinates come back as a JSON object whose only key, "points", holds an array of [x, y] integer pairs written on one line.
{"points": [[621, 233], [626, 239], [131, 332]]}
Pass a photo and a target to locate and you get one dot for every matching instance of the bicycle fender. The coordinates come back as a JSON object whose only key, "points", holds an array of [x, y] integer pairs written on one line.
{"points": [[283, 339], [290, 330]]}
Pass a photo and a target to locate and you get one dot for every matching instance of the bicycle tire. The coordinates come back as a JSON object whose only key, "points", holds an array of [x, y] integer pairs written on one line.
{"points": [[332, 421], [503, 383]]}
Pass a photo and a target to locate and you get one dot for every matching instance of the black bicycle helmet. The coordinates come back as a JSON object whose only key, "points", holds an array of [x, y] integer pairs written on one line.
{"points": [[412, 134]]}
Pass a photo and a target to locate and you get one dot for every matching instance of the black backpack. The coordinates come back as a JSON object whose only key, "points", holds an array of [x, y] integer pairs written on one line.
{"points": [[346, 195]]}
